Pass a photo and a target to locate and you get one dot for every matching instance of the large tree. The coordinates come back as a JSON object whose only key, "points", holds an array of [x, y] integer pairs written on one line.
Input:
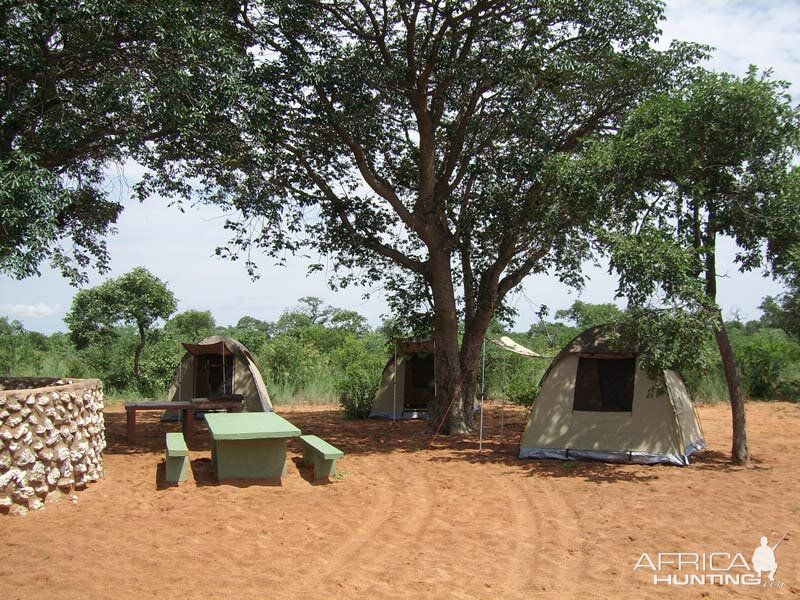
{"points": [[714, 158], [586, 315], [423, 143], [75, 78], [191, 325], [137, 298]]}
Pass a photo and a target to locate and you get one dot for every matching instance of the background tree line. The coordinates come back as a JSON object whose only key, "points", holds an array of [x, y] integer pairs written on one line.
{"points": [[316, 353]]}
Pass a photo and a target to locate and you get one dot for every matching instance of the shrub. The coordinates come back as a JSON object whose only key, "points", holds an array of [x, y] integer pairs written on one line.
{"points": [[522, 389], [359, 363], [159, 361], [788, 391], [764, 358], [290, 363], [356, 388]]}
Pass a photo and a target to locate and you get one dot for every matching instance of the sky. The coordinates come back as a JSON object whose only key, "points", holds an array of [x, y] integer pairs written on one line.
{"points": [[179, 247]]}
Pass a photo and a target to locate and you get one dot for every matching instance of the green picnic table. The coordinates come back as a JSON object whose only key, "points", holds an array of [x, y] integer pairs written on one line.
{"points": [[251, 445]]}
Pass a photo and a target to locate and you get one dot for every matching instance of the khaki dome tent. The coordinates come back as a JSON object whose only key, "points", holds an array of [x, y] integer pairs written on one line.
{"points": [[408, 383], [596, 404], [412, 371], [218, 366]]}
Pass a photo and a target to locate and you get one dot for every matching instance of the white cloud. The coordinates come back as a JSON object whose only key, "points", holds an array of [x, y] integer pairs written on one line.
{"points": [[762, 33], [29, 311]]}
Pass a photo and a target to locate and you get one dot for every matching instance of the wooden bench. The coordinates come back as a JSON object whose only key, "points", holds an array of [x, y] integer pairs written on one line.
{"points": [[177, 458], [322, 454], [188, 409]]}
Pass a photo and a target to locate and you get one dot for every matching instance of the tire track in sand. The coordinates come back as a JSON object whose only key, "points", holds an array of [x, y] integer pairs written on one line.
{"points": [[390, 520], [526, 521], [563, 539]]}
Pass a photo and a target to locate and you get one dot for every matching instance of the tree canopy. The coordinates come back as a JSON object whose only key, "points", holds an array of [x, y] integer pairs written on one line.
{"points": [[714, 157], [428, 145], [586, 315], [77, 83], [191, 325], [137, 298]]}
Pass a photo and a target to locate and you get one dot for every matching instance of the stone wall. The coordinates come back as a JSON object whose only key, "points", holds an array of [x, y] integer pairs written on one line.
{"points": [[51, 440], [29, 383]]}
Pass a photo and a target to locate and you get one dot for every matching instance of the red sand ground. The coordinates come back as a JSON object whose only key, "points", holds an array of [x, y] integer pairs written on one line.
{"points": [[405, 521]]}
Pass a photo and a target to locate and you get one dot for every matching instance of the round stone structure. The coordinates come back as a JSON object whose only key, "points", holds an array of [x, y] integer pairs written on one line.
{"points": [[52, 437]]}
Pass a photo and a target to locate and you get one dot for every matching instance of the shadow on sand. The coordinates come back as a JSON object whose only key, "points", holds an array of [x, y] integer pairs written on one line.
{"points": [[307, 472], [150, 434], [502, 432]]}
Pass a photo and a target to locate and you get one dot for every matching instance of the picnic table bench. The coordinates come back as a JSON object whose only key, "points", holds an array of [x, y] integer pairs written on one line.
{"points": [[177, 458], [231, 403], [322, 454]]}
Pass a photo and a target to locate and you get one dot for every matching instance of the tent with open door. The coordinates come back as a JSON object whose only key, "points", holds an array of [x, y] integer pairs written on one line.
{"points": [[596, 403], [219, 366], [407, 384]]}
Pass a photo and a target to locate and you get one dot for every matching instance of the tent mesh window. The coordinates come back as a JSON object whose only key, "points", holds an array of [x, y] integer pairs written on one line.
{"points": [[604, 384], [210, 380], [420, 371]]}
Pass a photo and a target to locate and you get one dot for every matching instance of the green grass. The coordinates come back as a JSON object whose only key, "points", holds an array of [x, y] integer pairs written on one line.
{"points": [[320, 390], [119, 397], [710, 389]]}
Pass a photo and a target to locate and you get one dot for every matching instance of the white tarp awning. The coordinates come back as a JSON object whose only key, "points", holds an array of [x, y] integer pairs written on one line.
{"points": [[507, 343]]}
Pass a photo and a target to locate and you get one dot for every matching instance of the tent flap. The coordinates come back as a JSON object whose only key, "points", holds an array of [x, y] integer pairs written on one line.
{"points": [[217, 348]]}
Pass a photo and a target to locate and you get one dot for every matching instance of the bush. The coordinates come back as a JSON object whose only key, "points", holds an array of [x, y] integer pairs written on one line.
{"points": [[359, 362], [159, 361], [522, 389], [788, 391], [764, 358], [291, 364], [356, 389]]}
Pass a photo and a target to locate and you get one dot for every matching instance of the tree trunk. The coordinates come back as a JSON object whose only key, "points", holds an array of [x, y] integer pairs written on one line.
{"points": [[468, 396], [137, 354], [740, 452], [446, 414], [474, 336]]}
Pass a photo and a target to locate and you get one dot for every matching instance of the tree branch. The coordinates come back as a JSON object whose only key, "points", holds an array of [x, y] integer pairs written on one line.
{"points": [[379, 185], [338, 206]]}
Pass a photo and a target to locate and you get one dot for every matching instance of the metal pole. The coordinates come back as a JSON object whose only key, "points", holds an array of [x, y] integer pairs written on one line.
{"points": [[503, 409], [394, 389], [224, 387], [483, 394]]}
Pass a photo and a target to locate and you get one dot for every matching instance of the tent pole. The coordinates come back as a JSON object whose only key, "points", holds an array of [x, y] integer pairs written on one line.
{"points": [[503, 407], [483, 394], [224, 390], [394, 388]]}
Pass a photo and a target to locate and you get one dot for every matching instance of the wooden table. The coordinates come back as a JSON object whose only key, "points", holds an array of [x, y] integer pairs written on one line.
{"points": [[187, 409], [249, 445]]}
